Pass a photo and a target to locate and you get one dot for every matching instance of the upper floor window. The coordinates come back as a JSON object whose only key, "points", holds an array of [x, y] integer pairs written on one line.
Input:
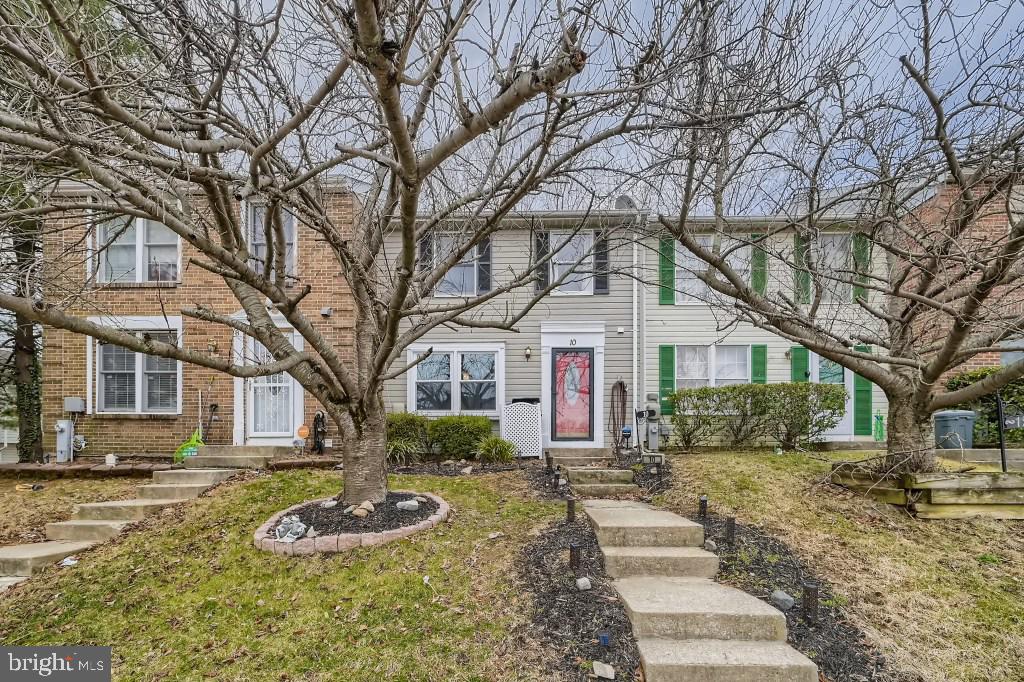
{"points": [[578, 256], [134, 250], [130, 382], [257, 228], [468, 276], [830, 256], [690, 287]]}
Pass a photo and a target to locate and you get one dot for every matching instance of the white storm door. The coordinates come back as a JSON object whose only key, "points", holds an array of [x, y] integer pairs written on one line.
{"points": [[271, 399], [825, 371]]}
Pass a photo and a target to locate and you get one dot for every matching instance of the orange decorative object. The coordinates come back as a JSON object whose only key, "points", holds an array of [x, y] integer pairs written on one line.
{"points": [[303, 431]]}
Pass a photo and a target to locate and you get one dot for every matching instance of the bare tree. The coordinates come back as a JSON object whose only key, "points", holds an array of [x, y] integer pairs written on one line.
{"points": [[442, 113], [895, 246]]}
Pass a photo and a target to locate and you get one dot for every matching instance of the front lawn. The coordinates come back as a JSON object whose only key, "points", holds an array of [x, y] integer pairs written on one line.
{"points": [[25, 513], [187, 597], [943, 600]]}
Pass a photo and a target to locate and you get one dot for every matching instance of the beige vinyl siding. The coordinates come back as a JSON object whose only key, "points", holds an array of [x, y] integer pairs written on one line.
{"points": [[701, 324], [510, 253]]}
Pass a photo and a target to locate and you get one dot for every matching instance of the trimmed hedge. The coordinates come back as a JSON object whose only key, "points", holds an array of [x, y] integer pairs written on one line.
{"points": [[457, 436], [791, 414], [986, 425]]}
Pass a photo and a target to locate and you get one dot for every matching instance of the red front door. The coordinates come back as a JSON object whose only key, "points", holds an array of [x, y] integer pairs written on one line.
{"points": [[572, 407]]}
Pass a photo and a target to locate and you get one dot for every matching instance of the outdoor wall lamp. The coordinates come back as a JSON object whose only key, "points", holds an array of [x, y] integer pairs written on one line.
{"points": [[788, 354], [528, 352]]}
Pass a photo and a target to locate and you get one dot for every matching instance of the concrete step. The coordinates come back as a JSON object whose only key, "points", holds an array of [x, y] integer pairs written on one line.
{"points": [[26, 559], [626, 524], [120, 510], [171, 491], [82, 530], [595, 475], [267, 451], [226, 462], [192, 476], [11, 580], [570, 461], [709, 660], [604, 489], [695, 608], [606, 453], [683, 562]]}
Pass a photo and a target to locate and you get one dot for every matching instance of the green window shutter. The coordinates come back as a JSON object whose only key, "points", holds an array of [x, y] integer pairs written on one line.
{"points": [[667, 271], [802, 276], [666, 376], [799, 364], [758, 266], [861, 264], [861, 401], [759, 364]]}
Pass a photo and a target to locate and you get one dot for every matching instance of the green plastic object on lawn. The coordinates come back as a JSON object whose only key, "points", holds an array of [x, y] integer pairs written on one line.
{"points": [[189, 447]]}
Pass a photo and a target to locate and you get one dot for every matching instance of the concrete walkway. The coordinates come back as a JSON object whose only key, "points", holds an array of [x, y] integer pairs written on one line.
{"points": [[590, 473], [99, 521], [688, 627]]}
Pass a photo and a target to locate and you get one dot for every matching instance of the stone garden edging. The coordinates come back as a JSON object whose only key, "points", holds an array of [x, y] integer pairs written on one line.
{"points": [[332, 544]]}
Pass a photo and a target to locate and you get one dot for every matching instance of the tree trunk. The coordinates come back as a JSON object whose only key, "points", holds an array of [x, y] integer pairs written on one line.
{"points": [[366, 476], [26, 364], [911, 439]]}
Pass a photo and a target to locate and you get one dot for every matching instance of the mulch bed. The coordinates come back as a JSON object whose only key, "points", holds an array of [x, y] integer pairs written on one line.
{"points": [[567, 620], [544, 484], [385, 516], [650, 483], [758, 563], [441, 469]]}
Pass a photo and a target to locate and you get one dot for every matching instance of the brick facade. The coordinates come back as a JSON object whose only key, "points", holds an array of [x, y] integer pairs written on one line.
{"points": [[64, 354]]}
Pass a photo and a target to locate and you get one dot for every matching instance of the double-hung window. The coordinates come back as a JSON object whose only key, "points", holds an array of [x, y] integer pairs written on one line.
{"points": [[573, 258], [833, 256], [719, 365], [256, 221], [130, 382], [690, 287], [461, 278], [457, 380], [135, 250]]}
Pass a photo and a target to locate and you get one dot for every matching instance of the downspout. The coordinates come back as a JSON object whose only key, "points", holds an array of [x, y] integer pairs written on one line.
{"points": [[636, 318]]}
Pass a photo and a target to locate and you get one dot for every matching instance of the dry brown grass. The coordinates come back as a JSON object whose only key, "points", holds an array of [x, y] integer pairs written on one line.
{"points": [[944, 600], [24, 514]]}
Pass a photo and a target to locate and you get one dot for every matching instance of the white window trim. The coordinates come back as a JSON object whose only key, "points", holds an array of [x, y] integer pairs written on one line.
{"points": [[292, 266], [556, 237], [94, 254], [712, 362], [830, 300], [455, 349], [149, 323], [474, 259], [683, 299]]}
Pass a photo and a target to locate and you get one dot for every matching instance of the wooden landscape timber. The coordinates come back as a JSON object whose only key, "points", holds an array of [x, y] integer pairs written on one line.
{"points": [[941, 495]]}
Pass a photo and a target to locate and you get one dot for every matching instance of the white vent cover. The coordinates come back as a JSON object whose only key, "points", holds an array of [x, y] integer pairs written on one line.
{"points": [[521, 426]]}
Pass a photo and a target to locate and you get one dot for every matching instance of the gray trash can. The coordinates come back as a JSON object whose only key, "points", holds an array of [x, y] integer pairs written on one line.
{"points": [[954, 429]]}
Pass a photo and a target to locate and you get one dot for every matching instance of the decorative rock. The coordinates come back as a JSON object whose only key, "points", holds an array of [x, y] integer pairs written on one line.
{"points": [[349, 509], [448, 463], [604, 671], [367, 505], [495, 536], [563, 481], [710, 545], [583, 584], [360, 512], [467, 471], [329, 504], [782, 600], [408, 505], [420, 499], [311, 533]]}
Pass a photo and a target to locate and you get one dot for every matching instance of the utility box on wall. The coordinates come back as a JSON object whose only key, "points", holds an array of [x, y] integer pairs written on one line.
{"points": [[65, 440], [74, 405]]}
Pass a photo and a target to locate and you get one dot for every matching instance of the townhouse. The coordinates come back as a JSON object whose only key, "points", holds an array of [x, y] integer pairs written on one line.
{"points": [[127, 403]]}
